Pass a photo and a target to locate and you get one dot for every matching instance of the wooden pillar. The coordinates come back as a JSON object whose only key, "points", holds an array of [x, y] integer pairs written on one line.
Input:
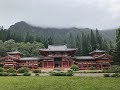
{"points": [[87, 65], [101, 65], [37, 64], [68, 63], [47, 63], [62, 64], [43, 64], [32, 65], [53, 64], [82, 65], [13, 66], [110, 66]]}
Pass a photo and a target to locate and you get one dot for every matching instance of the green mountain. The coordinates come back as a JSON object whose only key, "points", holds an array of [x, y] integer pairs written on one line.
{"points": [[59, 34]]}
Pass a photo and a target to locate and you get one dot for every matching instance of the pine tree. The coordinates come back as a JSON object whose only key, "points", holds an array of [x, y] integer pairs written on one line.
{"points": [[78, 45], [71, 41], [50, 40], [92, 41], [98, 40], [117, 50], [84, 50], [29, 38]]}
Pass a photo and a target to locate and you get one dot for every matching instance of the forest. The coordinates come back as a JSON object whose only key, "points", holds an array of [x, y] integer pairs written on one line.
{"points": [[85, 43]]}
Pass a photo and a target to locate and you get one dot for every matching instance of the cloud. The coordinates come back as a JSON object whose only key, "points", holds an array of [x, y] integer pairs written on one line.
{"points": [[101, 14]]}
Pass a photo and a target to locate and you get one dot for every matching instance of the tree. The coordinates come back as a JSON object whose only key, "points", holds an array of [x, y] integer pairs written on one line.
{"points": [[98, 40], [29, 38], [92, 41], [71, 42], [117, 49], [78, 45], [28, 49], [85, 45], [50, 41]]}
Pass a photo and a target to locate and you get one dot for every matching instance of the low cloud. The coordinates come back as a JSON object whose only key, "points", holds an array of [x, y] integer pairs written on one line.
{"points": [[102, 14]]}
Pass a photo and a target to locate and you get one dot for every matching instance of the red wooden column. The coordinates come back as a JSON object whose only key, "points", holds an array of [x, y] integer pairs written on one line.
{"points": [[110, 66], [82, 65], [13, 66], [53, 64], [62, 64], [47, 63], [87, 65], [37, 64], [101, 65], [68, 63], [32, 65], [43, 64]]}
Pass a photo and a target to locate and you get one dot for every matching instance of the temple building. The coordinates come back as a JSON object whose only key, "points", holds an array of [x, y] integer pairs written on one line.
{"points": [[58, 57], [98, 59]]}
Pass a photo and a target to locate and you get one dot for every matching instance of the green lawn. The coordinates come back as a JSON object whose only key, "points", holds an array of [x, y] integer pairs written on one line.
{"points": [[59, 83]]}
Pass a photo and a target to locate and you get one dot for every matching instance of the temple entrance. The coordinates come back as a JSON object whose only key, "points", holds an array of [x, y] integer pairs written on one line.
{"points": [[57, 62]]}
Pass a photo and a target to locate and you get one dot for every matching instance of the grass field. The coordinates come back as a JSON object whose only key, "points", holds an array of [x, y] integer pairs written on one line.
{"points": [[59, 83]]}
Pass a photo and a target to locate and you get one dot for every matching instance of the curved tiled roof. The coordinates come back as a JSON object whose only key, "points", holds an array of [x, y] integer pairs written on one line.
{"points": [[97, 51], [14, 52], [58, 48], [84, 58], [29, 58]]}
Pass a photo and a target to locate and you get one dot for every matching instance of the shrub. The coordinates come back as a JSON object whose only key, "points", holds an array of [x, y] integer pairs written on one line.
{"points": [[69, 73], [13, 74], [58, 74], [116, 69], [1, 69], [106, 75], [107, 71], [115, 75], [5, 74], [92, 68], [11, 70], [36, 71], [36, 74], [22, 70], [1, 73], [74, 68], [57, 69], [26, 74]]}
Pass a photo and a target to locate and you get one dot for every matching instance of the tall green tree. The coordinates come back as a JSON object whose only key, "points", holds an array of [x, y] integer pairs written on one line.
{"points": [[117, 49], [71, 41], [98, 40], [29, 38], [92, 41], [78, 45], [50, 40]]}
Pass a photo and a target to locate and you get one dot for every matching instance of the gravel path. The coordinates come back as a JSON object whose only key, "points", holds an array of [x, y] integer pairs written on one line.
{"points": [[90, 74], [78, 74]]}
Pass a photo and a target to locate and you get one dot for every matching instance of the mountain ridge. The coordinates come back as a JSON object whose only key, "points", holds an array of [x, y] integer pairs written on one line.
{"points": [[23, 27]]}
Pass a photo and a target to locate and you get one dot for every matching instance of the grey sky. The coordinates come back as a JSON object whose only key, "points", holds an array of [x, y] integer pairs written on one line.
{"points": [[102, 14]]}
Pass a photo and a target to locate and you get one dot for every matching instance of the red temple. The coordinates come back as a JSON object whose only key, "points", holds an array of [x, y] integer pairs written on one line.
{"points": [[99, 59], [57, 57]]}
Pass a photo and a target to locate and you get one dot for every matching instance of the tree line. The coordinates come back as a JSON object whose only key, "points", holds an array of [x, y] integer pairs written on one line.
{"points": [[85, 43], [27, 49]]}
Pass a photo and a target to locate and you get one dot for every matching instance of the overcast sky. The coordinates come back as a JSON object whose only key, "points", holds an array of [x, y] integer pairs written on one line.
{"points": [[102, 14]]}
